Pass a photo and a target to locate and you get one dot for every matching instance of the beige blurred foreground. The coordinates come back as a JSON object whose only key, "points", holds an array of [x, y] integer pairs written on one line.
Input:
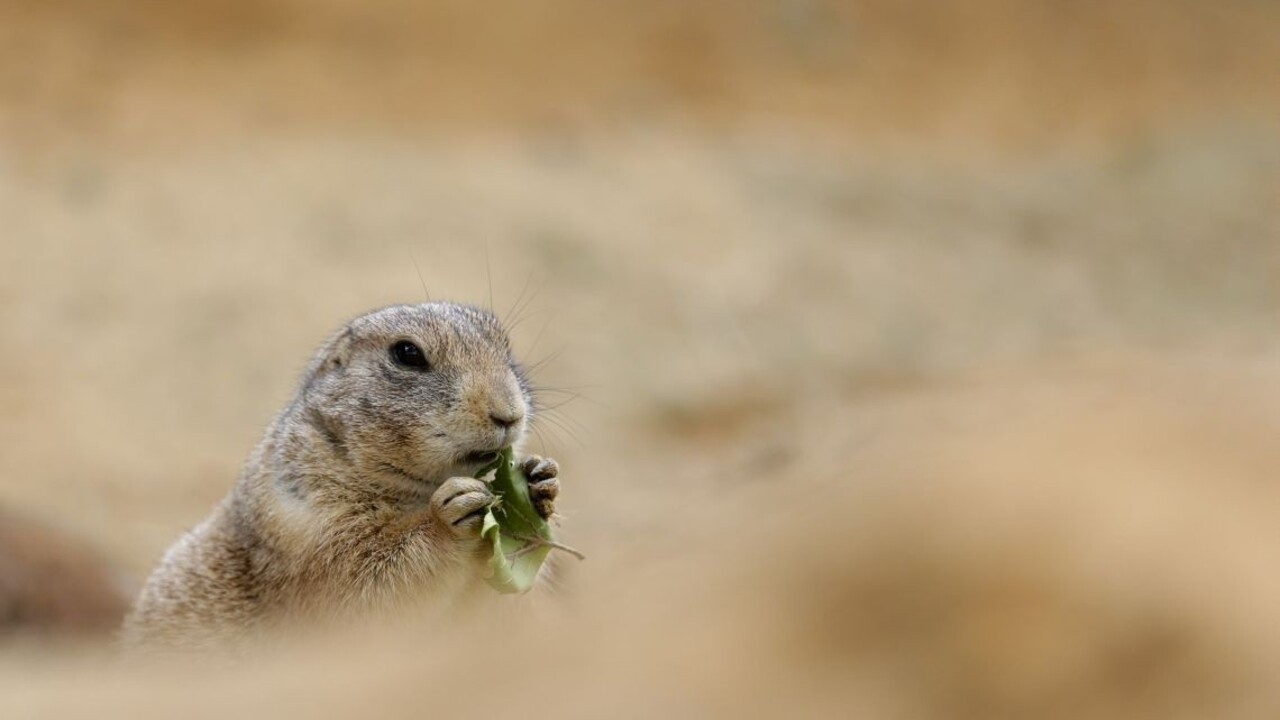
{"points": [[1097, 543]]}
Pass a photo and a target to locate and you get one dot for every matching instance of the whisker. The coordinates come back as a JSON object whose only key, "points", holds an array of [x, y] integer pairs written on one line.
{"points": [[488, 270], [516, 323], [515, 314], [542, 441], [541, 330], [544, 408], [549, 358], [523, 288], [572, 398], [553, 433], [521, 309], [422, 280], [568, 430], [554, 413], [566, 388]]}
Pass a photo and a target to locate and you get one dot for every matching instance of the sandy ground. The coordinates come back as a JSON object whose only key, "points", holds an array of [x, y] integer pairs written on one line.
{"points": [[950, 398]]}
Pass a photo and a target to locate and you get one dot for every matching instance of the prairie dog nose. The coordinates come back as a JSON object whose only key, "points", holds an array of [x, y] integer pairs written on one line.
{"points": [[505, 418], [500, 399]]}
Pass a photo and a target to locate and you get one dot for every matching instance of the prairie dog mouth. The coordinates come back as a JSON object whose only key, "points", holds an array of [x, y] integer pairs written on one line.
{"points": [[480, 457]]}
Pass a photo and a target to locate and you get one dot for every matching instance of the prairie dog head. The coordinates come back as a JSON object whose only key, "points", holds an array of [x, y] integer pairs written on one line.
{"points": [[417, 393]]}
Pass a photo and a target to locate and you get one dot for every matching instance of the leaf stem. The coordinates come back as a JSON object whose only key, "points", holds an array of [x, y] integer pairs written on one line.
{"points": [[551, 544]]}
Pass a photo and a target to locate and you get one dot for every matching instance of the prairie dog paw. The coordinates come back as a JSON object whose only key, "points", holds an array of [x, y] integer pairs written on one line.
{"points": [[460, 503], [544, 483]]}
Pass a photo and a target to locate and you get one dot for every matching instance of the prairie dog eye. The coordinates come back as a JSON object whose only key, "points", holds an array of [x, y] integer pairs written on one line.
{"points": [[407, 354]]}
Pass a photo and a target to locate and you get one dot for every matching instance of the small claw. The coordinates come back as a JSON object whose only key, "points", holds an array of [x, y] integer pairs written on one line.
{"points": [[540, 468], [460, 504], [547, 489], [543, 483], [543, 494]]}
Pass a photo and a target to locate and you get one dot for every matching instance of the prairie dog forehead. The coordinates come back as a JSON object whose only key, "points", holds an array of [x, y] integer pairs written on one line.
{"points": [[440, 327]]}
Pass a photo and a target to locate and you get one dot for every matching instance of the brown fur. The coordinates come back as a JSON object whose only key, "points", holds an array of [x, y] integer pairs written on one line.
{"points": [[360, 496]]}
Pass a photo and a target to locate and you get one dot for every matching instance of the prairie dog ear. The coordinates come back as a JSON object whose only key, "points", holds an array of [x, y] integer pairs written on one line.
{"points": [[338, 352], [332, 357]]}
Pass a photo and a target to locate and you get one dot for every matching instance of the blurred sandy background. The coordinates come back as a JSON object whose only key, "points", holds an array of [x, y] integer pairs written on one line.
{"points": [[917, 358]]}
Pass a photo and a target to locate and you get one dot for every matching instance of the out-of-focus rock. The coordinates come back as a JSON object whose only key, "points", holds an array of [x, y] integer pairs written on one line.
{"points": [[52, 584]]}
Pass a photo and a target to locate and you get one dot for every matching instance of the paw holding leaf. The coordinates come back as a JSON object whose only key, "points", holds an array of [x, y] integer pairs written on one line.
{"points": [[515, 525], [460, 504], [544, 483]]}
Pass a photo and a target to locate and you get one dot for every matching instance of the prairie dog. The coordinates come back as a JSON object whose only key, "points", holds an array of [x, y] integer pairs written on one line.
{"points": [[360, 495]]}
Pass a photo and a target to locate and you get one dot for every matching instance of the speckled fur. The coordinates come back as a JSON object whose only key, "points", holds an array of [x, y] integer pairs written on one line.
{"points": [[360, 494]]}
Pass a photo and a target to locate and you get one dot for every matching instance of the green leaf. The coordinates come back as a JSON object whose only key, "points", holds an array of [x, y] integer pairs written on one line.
{"points": [[513, 528]]}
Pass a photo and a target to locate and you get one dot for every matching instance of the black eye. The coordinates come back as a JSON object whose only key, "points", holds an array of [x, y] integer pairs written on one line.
{"points": [[407, 354]]}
